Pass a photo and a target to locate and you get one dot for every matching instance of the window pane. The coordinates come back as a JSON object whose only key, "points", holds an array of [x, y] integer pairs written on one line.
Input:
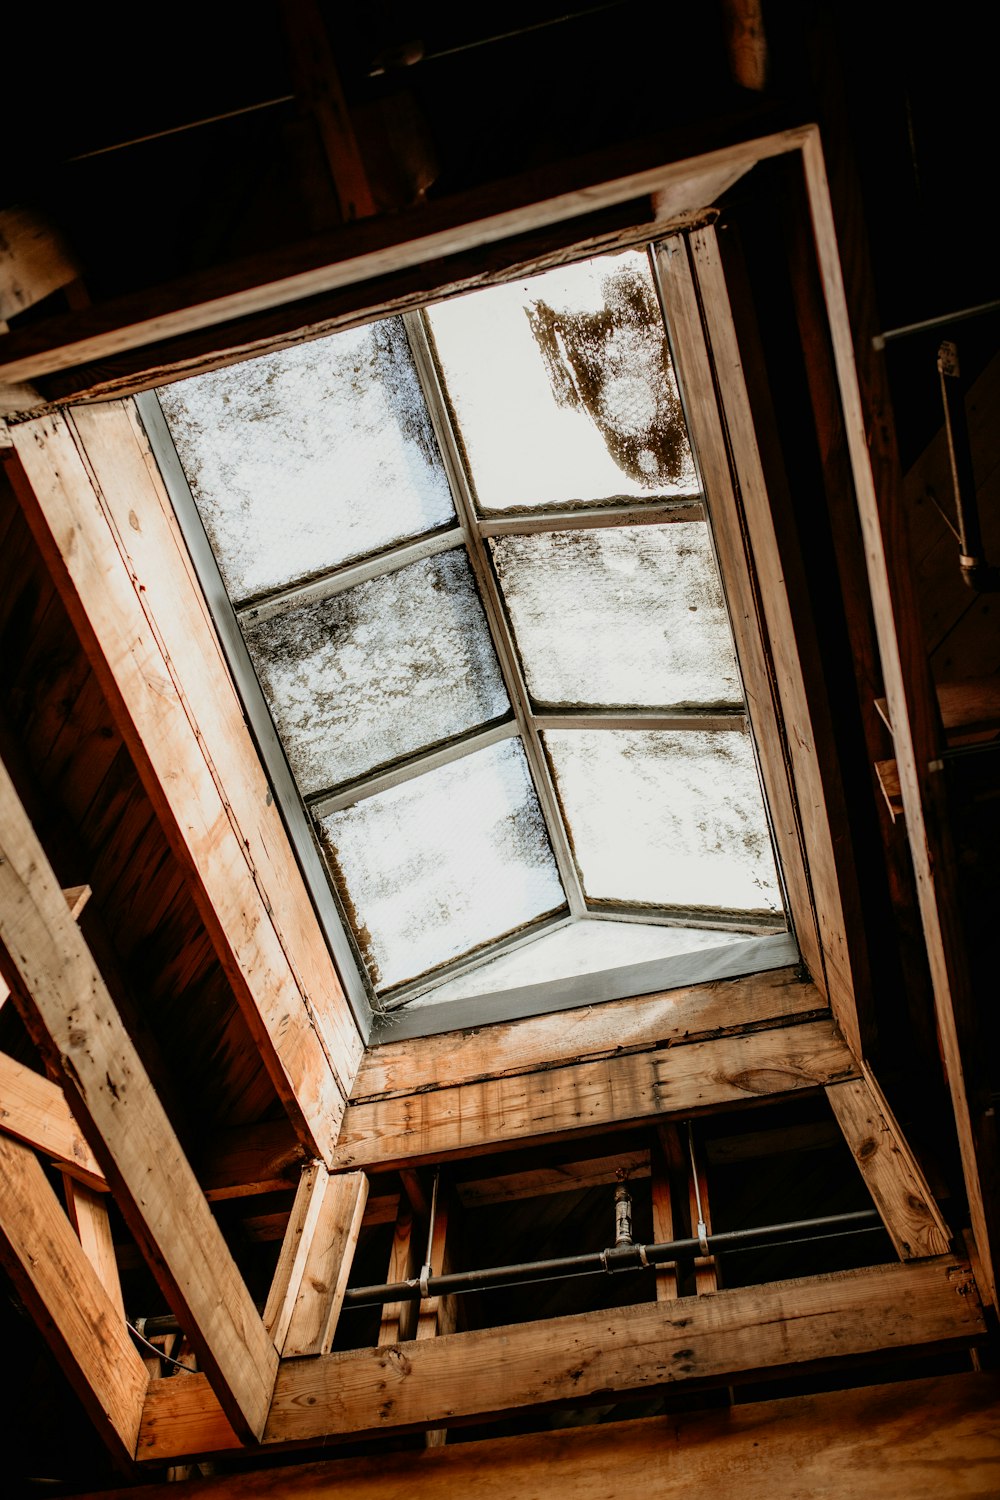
{"points": [[581, 948], [563, 388], [383, 669], [628, 617], [444, 863], [305, 459], [664, 818]]}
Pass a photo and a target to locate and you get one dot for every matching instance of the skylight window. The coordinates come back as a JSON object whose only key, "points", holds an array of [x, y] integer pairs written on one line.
{"points": [[470, 562]]}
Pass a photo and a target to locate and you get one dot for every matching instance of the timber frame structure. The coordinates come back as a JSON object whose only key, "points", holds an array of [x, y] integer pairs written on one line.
{"points": [[201, 1155]]}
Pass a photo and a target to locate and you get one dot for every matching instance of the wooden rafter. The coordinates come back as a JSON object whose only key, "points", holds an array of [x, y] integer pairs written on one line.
{"points": [[774, 1329], [890, 1169], [107, 530], [477, 1117], [79, 1320], [66, 1004]]}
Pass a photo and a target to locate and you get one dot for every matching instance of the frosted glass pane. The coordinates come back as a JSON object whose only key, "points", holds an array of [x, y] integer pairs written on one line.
{"points": [[379, 671], [666, 818], [444, 863], [304, 459], [581, 948], [628, 617], [563, 388]]}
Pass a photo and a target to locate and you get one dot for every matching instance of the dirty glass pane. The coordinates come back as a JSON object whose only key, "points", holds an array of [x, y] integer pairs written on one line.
{"points": [[666, 818], [304, 459], [627, 617], [381, 670], [581, 948], [441, 864], [563, 388]]}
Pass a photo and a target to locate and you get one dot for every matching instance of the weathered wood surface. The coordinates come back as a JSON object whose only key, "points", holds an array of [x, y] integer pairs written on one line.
{"points": [[819, 794], [87, 1211], [690, 1013], [63, 1292], [912, 1440], [35, 1111], [295, 1245], [373, 248], [887, 1164], [477, 1117], [66, 1004], [119, 564], [908, 690], [773, 1329], [330, 1254], [77, 897]]}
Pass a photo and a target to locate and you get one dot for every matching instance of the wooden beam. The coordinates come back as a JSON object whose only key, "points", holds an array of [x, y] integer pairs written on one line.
{"points": [[748, 1333], [359, 252], [65, 1003], [476, 1117], [77, 897], [691, 1013], [883, 1442], [912, 708], [79, 1321], [399, 1319], [34, 1110], [34, 261], [295, 1245], [893, 1174], [744, 595], [105, 526], [327, 1267], [568, 1177], [87, 1211]]}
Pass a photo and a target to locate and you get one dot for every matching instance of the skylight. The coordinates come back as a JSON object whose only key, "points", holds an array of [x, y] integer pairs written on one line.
{"points": [[471, 566]]}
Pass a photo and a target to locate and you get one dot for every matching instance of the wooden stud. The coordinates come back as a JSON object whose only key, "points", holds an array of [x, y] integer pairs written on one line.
{"points": [[34, 1110], [65, 1003], [891, 1171], [294, 1249], [807, 1324], [327, 1266], [80, 1322], [88, 1214], [399, 1319]]}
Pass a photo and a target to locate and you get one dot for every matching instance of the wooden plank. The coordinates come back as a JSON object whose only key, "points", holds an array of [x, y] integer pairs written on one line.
{"points": [[158, 707], [911, 703], [893, 1174], [536, 1182], [831, 869], [743, 591], [773, 1330], [294, 1248], [671, 1018], [887, 776], [87, 1211], [327, 1266], [885, 1442], [359, 253], [66, 1004], [251, 1159], [35, 1111], [63, 1293], [476, 1117], [398, 1320], [77, 897], [33, 260]]}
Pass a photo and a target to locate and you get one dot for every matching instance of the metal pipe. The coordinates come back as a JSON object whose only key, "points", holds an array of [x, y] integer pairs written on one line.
{"points": [[981, 310], [616, 1260]]}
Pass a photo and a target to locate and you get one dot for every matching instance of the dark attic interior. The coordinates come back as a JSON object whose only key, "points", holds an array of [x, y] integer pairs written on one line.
{"points": [[499, 713]]}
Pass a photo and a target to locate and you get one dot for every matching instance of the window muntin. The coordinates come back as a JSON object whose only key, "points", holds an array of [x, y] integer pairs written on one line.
{"points": [[418, 914]]}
